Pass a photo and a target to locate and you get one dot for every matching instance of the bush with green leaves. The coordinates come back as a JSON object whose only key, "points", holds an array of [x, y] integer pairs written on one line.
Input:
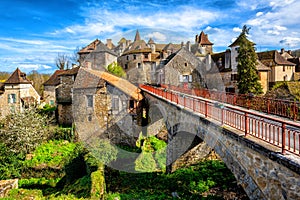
{"points": [[21, 132], [10, 163], [116, 69]]}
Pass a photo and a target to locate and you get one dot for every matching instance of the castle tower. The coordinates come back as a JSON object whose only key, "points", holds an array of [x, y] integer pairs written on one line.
{"points": [[203, 43]]}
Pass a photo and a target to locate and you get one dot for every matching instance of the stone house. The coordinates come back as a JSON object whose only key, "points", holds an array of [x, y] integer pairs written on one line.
{"points": [[97, 55], [182, 69], [202, 46], [140, 59], [281, 69], [16, 93], [229, 76], [49, 95], [63, 96], [107, 106]]}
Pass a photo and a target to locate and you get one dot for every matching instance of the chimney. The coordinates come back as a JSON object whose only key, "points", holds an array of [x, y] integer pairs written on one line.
{"points": [[182, 44], [289, 52], [109, 43], [128, 42], [282, 51], [188, 45]]}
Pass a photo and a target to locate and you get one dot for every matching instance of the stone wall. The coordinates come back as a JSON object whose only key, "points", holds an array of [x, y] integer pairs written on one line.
{"points": [[6, 186], [65, 114], [261, 171]]}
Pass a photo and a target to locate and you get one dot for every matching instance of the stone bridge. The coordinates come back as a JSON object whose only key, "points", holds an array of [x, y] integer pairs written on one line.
{"points": [[262, 170]]}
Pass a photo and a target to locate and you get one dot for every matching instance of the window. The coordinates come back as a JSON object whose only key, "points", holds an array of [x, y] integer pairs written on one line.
{"points": [[90, 100], [139, 65], [146, 56], [126, 66], [234, 77], [185, 64], [12, 98], [283, 68], [185, 78], [115, 103], [127, 57], [134, 57], [51, 102]]}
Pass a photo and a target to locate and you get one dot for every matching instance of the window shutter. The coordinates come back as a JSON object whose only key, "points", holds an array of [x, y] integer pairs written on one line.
{"points": [[181, 78], [190, 78]]}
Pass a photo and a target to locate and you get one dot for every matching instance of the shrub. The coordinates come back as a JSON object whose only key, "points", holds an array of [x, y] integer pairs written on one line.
{"points": [[23, 131]]}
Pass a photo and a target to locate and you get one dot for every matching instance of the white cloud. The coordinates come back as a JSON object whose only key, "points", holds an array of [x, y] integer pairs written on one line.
{"points": [[291, 41], [99, 22], [157, 36], [237, 29], [259, 14]]}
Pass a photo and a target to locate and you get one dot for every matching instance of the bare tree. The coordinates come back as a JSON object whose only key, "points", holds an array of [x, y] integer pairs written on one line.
{"points": [[62, 61]]}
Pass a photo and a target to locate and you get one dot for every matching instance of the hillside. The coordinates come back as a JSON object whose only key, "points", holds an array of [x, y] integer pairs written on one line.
{"points": [[285, 90]]}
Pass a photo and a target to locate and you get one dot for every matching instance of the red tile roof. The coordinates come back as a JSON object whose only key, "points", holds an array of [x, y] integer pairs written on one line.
{"points": [[18, 77], [203, 39]]}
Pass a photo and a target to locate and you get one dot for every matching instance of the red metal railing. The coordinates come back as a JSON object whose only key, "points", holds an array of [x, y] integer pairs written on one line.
{"points": [[284, 108], [273, 130]]}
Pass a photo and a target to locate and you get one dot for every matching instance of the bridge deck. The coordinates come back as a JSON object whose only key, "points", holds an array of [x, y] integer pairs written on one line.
{"points": [[274, 130]]}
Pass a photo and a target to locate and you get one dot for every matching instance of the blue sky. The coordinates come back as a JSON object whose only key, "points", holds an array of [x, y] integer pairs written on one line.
{"points": [[33, 32]]}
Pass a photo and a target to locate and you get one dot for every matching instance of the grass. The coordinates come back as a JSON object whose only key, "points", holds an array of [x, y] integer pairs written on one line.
{"points": [[188, 183]]}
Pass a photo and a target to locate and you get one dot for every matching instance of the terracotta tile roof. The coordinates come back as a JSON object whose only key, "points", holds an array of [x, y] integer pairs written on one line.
{"points": [[54, 80], [122, 84], [69, 72], [100, 47], [18, 77], [273, 57], [203, 39]]}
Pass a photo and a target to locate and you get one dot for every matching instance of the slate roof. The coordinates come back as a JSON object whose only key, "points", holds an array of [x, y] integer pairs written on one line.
{"points": [[120, 83], [89, 48], [137, 36], [17, 77], [238, 41], [273, 57], [53, 80]]}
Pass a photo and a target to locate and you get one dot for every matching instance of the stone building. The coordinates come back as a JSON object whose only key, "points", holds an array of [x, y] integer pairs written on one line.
{"points": [[16, 93], [63, 96], [182, 69], [202, 45], [49, 95], [97, 55], [140, 59], [106, 106], [281, 69]]}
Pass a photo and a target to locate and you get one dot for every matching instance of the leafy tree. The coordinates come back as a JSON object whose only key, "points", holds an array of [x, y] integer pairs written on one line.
{"points": [[116, 69], [247, 60], [21, 132], [38, 80]]}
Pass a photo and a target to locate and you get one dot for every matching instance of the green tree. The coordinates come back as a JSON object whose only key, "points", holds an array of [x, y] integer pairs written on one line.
{"points": [[116, 69], [247, 60], [22, 132]]}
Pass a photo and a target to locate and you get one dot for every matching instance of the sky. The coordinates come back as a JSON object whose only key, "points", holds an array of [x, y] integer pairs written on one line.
{"points": [[34, 32]]}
